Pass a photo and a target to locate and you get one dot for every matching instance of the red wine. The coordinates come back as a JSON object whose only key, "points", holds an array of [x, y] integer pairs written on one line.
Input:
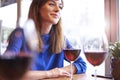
{"points": [[95, 58], [72, 54], [13, 68]]}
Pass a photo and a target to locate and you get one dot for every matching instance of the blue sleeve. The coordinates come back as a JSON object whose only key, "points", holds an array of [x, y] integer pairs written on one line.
{"points": [[15, 41], [80, 64]]}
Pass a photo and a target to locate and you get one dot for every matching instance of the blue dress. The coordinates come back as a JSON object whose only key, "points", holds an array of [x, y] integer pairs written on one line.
{"points": [[44, 60]]}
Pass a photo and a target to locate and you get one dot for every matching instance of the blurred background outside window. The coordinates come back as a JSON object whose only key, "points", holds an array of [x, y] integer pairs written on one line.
{"points": [[78, 16]]}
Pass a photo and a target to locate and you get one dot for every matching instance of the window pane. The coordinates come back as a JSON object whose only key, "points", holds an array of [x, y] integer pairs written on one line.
{"points": [[8, 16]]}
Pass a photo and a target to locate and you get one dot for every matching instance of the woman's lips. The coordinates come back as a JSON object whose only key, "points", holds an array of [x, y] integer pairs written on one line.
{"points": [[55, 15]]}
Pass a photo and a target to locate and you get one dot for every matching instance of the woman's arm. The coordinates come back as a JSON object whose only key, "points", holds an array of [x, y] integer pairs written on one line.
{"points": [[56, 72], [36, 75]]}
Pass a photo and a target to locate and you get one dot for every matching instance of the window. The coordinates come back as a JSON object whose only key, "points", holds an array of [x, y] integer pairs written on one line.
{"points": [[8, 17], [77, 16]]}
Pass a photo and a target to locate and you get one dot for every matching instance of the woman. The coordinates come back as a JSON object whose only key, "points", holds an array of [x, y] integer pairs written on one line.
{"points": [[46, 15]]}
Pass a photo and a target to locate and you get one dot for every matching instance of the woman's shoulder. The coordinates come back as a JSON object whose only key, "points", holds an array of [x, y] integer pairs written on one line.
{"points": [[17, 32]]}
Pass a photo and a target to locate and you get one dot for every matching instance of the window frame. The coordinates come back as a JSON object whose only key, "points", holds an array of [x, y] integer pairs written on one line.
{"points": [[112, 26]]}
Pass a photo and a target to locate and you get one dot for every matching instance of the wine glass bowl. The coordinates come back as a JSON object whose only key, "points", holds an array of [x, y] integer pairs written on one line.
{"points": [[95, 49], [95, 58], [72, 54]]}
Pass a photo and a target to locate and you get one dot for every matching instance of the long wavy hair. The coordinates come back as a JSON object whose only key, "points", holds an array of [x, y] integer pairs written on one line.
{"points": [[56, 35]]}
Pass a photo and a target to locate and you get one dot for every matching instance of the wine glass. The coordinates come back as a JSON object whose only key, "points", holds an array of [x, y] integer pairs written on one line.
{"points": [[71, 54], [95, 47], [13, 67]]}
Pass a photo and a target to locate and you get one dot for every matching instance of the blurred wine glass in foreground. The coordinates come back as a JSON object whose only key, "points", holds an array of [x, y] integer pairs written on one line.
{"points": [[95, 47], [71, 54], [13, 65]]}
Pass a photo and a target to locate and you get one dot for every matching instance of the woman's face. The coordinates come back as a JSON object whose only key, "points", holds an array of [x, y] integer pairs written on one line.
{"points": [[51, 11]]}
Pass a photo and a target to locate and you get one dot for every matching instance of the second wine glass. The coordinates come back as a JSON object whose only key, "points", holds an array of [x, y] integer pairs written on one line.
{"points": [[95, 48]]}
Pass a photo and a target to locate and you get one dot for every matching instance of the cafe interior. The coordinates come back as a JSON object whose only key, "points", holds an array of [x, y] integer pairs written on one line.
{"points": [[78, 17]]}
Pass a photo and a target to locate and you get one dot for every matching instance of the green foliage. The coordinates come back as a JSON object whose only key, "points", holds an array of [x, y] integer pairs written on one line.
{"points": [[114, 49]]}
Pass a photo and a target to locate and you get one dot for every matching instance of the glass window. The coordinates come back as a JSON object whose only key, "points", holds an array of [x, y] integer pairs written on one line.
{"points": [[8, 17], [77, 16]]}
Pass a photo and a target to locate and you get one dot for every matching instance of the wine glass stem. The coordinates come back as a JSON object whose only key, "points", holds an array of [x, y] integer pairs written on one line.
{"points": [[71, 70], [95, 73]]}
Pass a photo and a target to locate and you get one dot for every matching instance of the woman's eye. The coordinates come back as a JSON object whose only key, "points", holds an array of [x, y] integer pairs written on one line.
{"points": [[51, 4], [61, 7]]}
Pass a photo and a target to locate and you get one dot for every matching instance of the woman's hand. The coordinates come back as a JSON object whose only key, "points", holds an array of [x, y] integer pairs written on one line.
{"points": [[57, 72]]}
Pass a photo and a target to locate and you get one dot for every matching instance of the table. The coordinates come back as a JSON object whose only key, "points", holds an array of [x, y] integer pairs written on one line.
{"points": [[79, 77]]}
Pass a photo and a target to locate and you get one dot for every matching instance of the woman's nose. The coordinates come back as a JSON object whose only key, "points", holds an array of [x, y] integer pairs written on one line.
{"points": [[57, 8]]}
